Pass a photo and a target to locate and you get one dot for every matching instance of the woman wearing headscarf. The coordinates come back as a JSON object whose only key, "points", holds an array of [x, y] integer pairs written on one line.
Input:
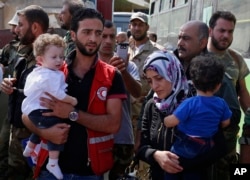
{"points": [[167, 79], [168, 82]]}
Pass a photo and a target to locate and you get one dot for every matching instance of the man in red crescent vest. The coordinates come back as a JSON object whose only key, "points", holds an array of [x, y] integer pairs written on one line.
{"points": [[87, 129]]}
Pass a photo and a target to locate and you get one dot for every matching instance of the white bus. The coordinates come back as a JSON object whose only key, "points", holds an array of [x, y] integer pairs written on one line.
{"points": [[166, 16]]}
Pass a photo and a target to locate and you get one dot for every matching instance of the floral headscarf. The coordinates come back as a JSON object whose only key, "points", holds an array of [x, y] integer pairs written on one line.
{"points": [[170, 68]]}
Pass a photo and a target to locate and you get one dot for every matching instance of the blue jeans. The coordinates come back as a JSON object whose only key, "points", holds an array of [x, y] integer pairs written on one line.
{"points": [[45, 175], [190, 147], [43, 122]]}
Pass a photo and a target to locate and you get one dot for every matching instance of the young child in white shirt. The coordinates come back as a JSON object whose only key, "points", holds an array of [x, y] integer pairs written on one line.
{"points": [[46, 77]]}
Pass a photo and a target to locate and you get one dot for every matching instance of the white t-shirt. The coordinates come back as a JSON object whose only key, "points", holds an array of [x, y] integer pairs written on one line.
{"points": [[39, 81]]}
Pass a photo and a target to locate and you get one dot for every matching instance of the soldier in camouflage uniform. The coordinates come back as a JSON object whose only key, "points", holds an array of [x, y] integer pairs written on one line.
{"points": [[33, 21], [233, 89], [69, 7], [7, 58]]}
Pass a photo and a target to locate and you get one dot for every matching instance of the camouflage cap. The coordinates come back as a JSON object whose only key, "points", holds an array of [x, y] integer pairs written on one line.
{"points": [[139, 15]]}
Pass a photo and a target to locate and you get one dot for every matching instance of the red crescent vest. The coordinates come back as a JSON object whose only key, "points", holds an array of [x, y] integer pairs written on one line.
{"points": [[100, 144]]}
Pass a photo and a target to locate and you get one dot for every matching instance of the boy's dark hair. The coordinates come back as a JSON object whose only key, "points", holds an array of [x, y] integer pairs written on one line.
{"points": [[84, 13], [206, 72], [227, 15]]}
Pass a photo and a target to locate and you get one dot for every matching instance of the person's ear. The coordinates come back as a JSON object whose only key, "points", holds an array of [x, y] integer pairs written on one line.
{"points": [[36, 28], [73, 35], [39, 60], [203, 43], [217, 87]]}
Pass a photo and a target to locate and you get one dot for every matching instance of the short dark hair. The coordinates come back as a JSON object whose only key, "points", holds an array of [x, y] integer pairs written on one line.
{"points": [[35, 13], [154, 35], [108, 24], [206, 72], [84, 13], [227, 15], [128, 33]]}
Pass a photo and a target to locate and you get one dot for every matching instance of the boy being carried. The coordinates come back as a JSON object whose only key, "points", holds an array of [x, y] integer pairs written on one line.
{"points": [[49, 53]]}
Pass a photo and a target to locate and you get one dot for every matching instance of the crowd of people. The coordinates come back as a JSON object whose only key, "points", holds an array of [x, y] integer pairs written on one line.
{"points": [[174, 112]]}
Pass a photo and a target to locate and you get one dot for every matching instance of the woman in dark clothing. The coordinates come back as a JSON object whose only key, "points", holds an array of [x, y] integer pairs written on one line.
{"points": [[168, 82], [166, 78]]}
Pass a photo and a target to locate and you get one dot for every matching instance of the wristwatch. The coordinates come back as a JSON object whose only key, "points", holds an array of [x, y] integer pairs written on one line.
{"points": [[74, 115]]}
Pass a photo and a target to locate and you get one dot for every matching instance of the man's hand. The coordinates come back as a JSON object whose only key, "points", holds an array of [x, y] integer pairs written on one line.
{"points": [[59, 109], [119, 63], [57, 134], [7, 85]]}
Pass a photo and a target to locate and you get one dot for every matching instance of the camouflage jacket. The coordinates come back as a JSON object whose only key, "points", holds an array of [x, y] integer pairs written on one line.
{"points": [[70, 45], [23, 63], [8, 56]]}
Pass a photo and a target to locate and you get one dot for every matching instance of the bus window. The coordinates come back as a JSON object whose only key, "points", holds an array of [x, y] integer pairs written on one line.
{"points": [[152, 8]]}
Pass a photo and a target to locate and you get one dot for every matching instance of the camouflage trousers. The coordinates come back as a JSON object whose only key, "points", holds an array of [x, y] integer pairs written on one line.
{"points": [[18, 166], [4, 147], [4, 135], [221, 169], [3, 108]]}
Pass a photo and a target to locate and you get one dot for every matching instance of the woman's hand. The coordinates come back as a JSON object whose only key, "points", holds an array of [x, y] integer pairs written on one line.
{"points": [[59, 109], [168, 161]]}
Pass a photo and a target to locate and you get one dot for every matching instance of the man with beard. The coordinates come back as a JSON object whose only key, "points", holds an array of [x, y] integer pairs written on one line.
{"points": [[233, 89], [192, 41], [32, 21], [99, 90], [65, 16]]}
